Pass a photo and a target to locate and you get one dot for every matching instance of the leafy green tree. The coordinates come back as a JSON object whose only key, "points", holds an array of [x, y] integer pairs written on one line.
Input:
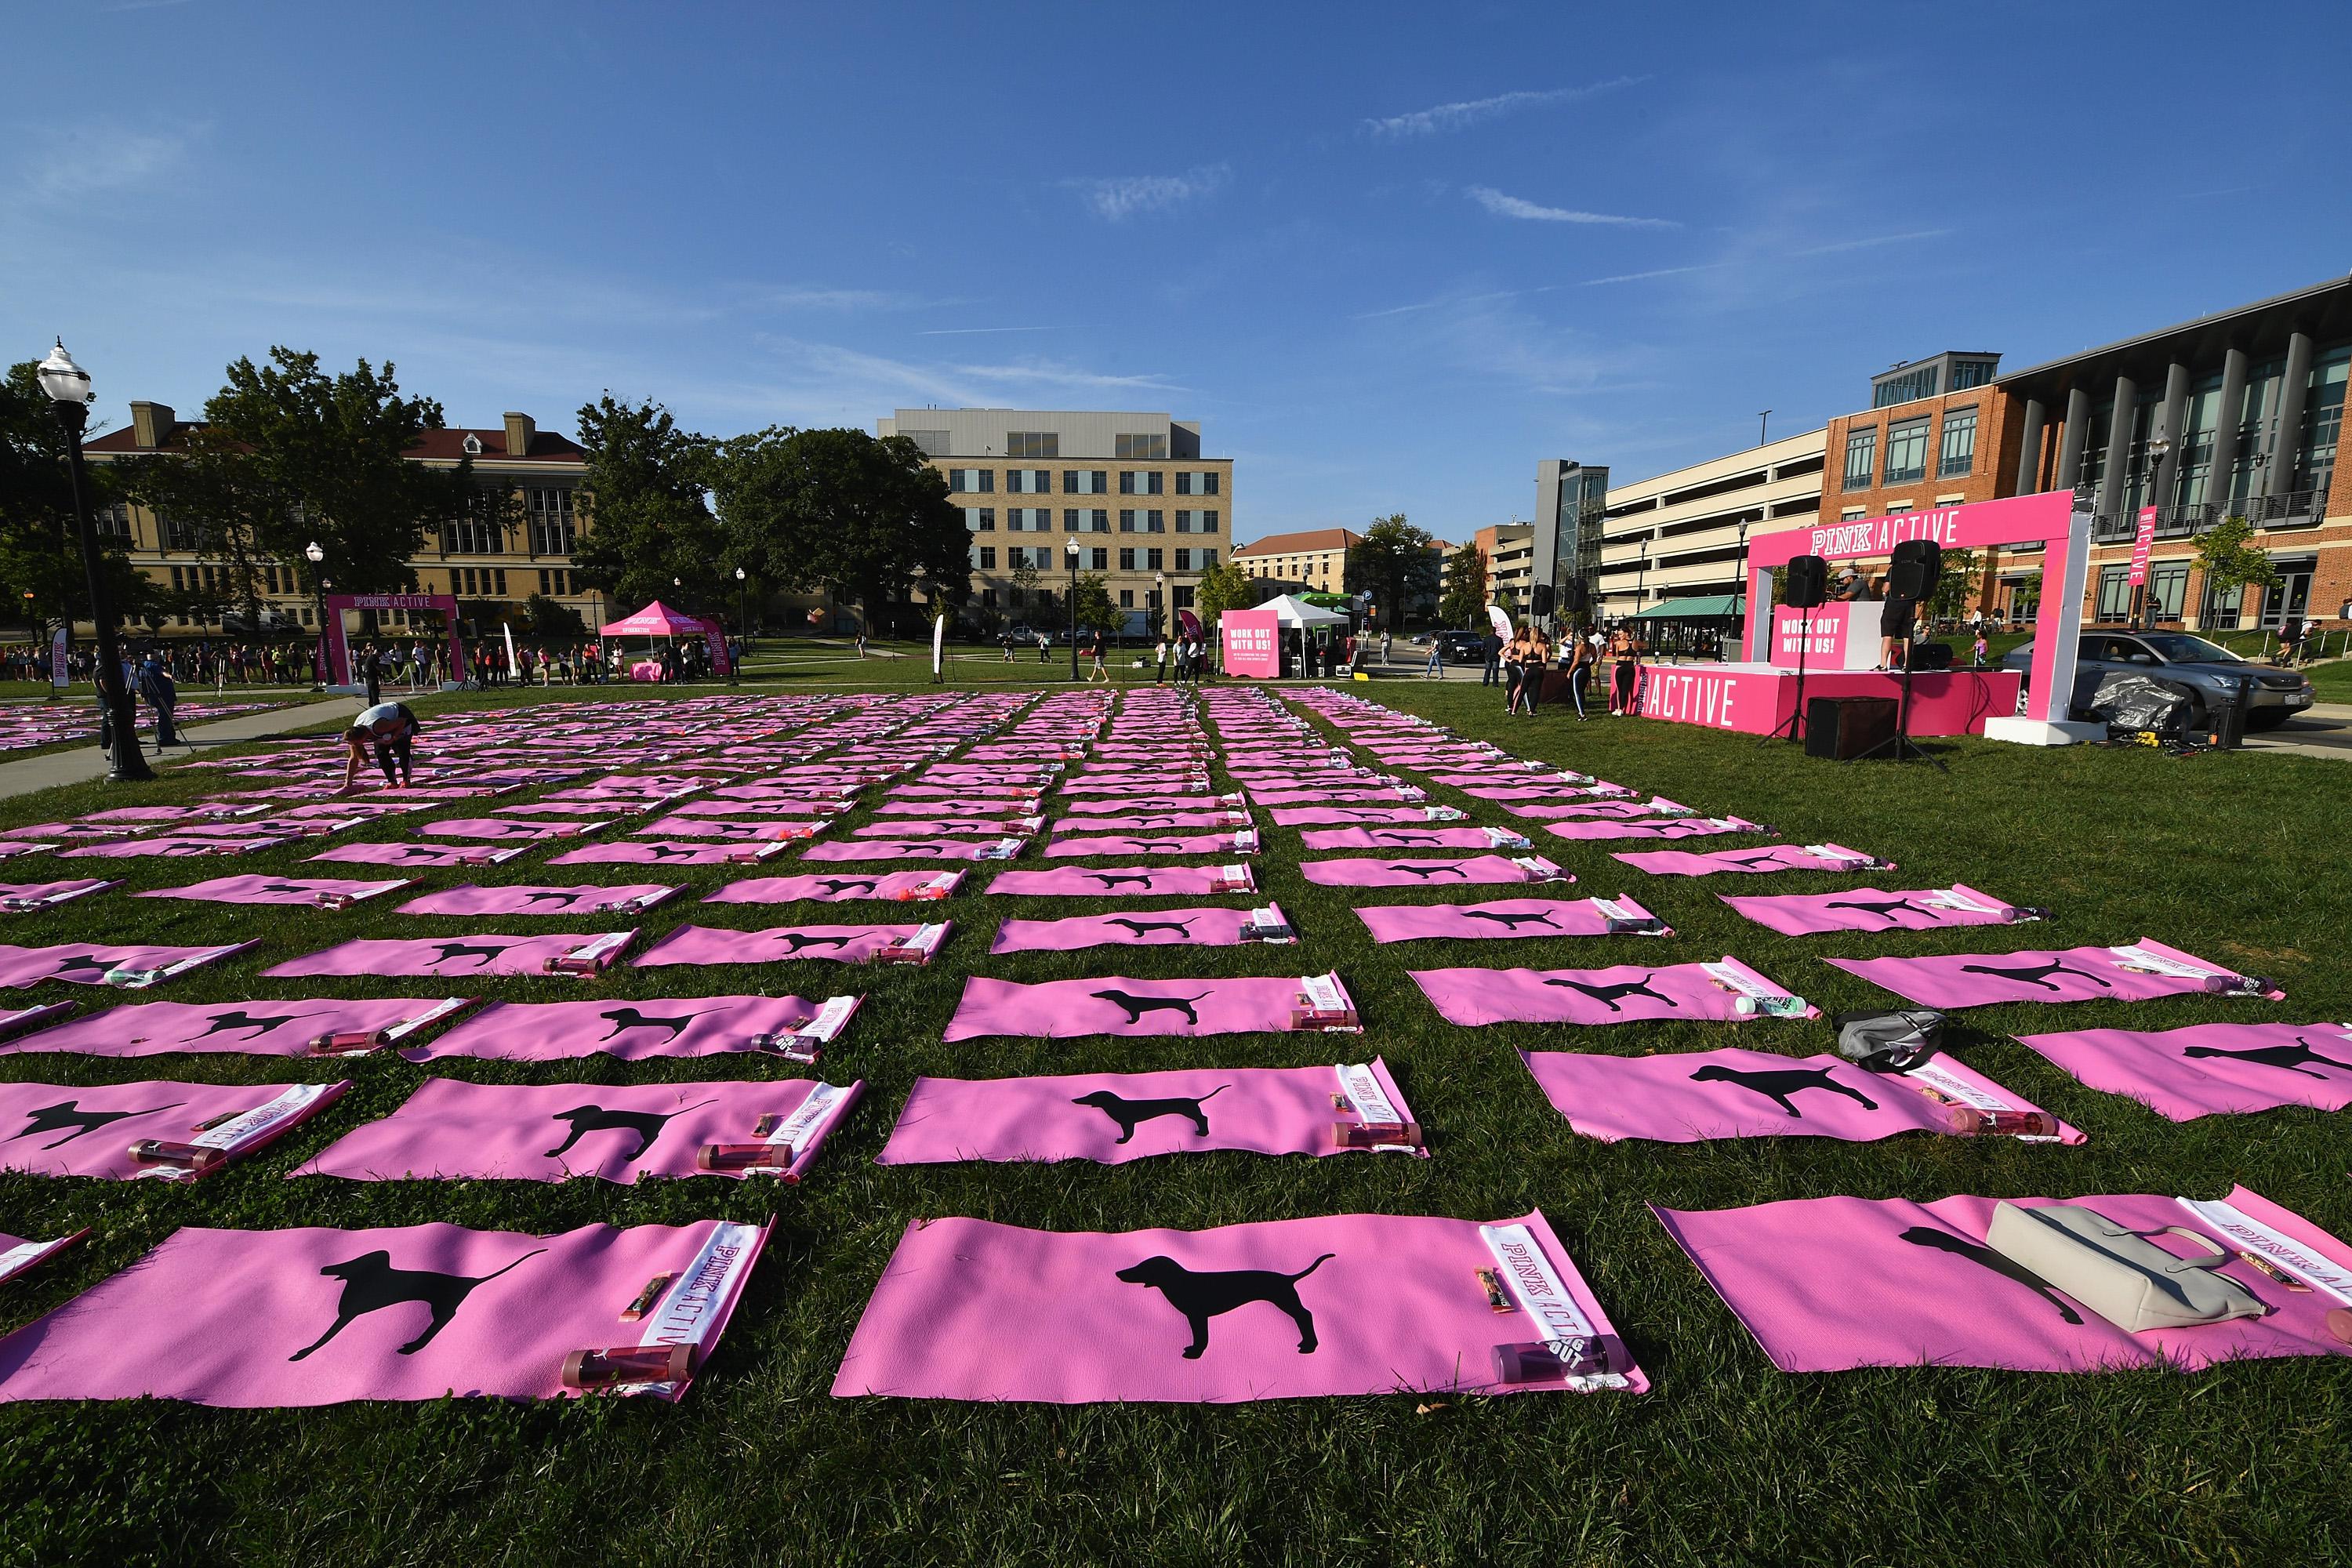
{"points": [[651, 534], [40, 542], [1394, 561], [2231, 562], [553, 619], [1223, 587], [866, 518], [287, 455], [1096, 611], [1956, 586], [1464, 603]]}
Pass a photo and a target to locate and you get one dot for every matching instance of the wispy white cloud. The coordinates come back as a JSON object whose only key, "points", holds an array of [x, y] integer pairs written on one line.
{"points": [[1504, 206], [102, 156], [1653, 272], [1449, 301], [1873, 242], [1123, 196], [1470, 111], [973, 332], [1048, 373]]}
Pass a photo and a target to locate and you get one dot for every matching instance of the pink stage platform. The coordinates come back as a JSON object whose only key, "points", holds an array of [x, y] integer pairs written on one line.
{"points": [[1756, 698]]}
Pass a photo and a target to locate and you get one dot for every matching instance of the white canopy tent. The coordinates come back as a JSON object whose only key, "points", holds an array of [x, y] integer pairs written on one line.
{"points": [[1292, 611]]}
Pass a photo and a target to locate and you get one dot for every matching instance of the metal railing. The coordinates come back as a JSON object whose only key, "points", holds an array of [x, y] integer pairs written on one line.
{"points": [[2296, 509]]}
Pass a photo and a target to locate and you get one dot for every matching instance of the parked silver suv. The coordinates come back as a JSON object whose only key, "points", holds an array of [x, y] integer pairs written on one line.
{"points": [[2206, 671]]}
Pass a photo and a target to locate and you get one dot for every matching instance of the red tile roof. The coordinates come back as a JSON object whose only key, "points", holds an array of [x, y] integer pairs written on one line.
{"points": [[447, 445], [1313, 539]]}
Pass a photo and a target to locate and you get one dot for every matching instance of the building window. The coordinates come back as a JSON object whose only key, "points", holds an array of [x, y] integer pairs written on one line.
{"points": [[1184, 598], [181, 535], [2167, 588], [984, 557], [1085, 522], [1029, 481], [988, 597], [1127, 560], [1084, 482], [1969, 372], [1126, 522], [1028, 520], [1151, 560], [980, 518], [972, 481], [2323, 423], [1126, 598], [1958, 456], [476, 530], [114, 521], [1033, 444], [1207, 559], [1140, 449], [1909, 388], [1132, 483], [1154, 522], [2114, 601], [552, 531], [1860, 457], [1200, 484], [1907, 451], [1098, 560]]}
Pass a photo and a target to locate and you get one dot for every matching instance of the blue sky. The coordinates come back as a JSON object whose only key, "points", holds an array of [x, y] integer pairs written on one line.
{"points": [[1388, 256]]}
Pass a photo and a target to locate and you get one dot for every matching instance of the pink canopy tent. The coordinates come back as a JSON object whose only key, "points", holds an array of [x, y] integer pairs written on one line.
{"points": [[658, 620]]}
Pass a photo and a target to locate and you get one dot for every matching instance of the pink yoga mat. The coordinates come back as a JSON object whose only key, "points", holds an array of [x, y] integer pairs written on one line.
{"points": [[1149, 822], [630, 1031], [270, 1319], [954, 827], [1311, 816], [1772, 858], [1829, 1284], [1504, 918], [1122, 882], [316, 891], [243, 1028], [1351, 1304], [1207, 927], [135, 967], [56, 1130], [175, 846], [1114, 1004], [669, 853], [1435, 872], [977, 848], [764, 829], [1154, 844], [1112, 1117], [30, 898], [2210, 1069], [711, 944], [1690, 1096], [501, 828], [1399, 838], [18, 1254], [433, 856], [1628, 993], [482, 953], [515, 899], [1874, 909], [904, 887], [551, 1132], [1660, 827], [1120, 808], [2068, 974]]}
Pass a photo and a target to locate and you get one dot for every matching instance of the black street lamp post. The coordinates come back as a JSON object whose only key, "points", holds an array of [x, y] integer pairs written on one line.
{"points": [[742, 627], [316, 554], [68, 385], [1070, 550], [1159, 605]]}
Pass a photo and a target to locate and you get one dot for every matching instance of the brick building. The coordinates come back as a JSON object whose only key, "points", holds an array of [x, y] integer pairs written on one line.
{"points": [[1314, 560]]}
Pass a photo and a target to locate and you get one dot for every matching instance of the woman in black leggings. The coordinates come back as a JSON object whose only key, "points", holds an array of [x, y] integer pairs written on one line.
{"points": [[1624, 683]]}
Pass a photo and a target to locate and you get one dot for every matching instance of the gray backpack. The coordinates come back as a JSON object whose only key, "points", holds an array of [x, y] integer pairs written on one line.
{"points": [[1888, 1042]]}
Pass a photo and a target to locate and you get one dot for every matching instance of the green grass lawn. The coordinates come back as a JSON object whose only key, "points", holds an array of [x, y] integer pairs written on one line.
{"points": [[1727, 1461]]}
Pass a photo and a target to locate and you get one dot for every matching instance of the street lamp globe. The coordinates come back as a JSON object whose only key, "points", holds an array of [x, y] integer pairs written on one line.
{"points": [[314, 553], [739, 574], [63, 380], [1070, 549]]}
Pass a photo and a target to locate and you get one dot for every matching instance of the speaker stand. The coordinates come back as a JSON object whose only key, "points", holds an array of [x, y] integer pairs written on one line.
{"points": [[1900, 745], [1797, 713]]}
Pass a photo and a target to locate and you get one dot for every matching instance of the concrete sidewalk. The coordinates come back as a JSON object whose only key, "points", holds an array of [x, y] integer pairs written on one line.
{"points": [[84, 764]]}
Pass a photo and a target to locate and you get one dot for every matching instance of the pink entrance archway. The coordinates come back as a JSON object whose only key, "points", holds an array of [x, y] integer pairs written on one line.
{"points": [[2053, 519], [339, 652]]}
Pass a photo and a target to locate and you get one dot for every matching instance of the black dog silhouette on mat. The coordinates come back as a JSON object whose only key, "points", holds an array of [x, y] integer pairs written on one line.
{"points": [[222, 1023], [1203, 1296], [1137, 928], [1780, 1084], [664, 852], [1130, 1113], [837, 885], [1511, 922], [1770, 857], [624, 1018], [566, 900], [2034, 974], [1425, 872], [1136, 1006], [80, 963], [1113, 880], [1943, 1241], [1884, 910], [647, 1124], [371, 1284], [67, 1113], [283, 888], [1610, 995], [449, 951], [2291, 1058], [793, 941]]}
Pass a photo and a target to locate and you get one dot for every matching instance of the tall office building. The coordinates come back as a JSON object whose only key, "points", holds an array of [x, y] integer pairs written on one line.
{"points": [[1146, 510], [1571, 501]]}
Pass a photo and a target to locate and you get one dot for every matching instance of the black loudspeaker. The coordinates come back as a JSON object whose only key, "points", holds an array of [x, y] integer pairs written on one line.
{"points": [[1807, 584], [1931, 656], [1543, 599], [1839, 728], [1578, 598], [1918, 563]]}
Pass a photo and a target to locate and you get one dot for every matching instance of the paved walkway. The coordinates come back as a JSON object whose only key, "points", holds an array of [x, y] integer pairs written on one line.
{"points": [[2322, 730], [84, 764]]}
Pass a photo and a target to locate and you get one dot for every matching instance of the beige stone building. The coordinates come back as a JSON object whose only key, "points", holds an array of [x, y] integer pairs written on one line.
{"points": [[1314, 560], [1147, 510], [1680, 536], [489, 569]]}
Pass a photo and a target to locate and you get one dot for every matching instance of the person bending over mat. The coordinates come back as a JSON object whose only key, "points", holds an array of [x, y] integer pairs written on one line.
{"points": [[390, 728]]}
